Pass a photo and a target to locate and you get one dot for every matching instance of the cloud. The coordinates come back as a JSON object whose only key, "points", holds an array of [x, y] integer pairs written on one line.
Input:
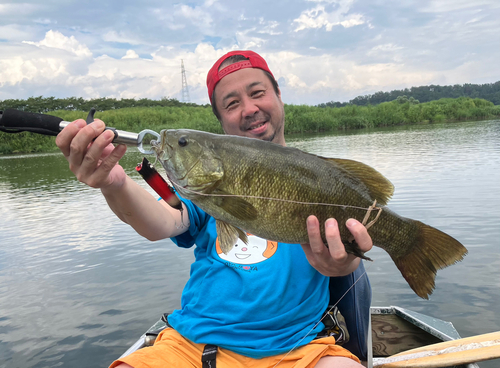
{"points": [[131, 54], [320, 50], [61, 61], [13, 9], [122, 37], [13, 32], [326, 77], [57, 40], [55, 60], [268, 27], [447, 6], [182, 16], [319, 16]]}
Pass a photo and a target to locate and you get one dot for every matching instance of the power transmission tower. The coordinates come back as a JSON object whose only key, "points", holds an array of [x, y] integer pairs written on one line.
{"points": [[185, 91]]}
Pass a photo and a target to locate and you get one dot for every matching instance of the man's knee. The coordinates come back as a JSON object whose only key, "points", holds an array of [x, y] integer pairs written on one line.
{"points": [[337, 362], [123, 365]]}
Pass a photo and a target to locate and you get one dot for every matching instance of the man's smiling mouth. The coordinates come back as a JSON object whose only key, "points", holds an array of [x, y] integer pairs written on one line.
{"points": [[256, 126]]}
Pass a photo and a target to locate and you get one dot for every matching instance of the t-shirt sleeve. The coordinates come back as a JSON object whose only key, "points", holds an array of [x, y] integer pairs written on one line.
{"points": [[197, 219]]}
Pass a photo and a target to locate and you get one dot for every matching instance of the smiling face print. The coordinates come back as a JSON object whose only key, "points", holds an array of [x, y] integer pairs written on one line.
{"points": [[257, 250]]}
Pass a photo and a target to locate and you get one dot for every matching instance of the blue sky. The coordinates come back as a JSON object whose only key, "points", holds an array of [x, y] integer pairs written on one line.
{"points": [[320, 51]]}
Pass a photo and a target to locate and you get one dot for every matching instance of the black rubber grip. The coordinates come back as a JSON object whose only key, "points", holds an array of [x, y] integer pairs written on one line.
{"points": [[14, 121]]}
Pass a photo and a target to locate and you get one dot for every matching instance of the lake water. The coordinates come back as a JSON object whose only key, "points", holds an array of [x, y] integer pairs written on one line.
{"points": [[77, 286]]}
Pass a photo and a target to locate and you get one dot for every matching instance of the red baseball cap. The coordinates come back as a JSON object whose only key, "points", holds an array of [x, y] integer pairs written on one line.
{"points": [[214, 75]]}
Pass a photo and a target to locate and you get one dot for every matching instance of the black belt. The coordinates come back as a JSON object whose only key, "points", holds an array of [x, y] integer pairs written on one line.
{"points": [[208, 356]]}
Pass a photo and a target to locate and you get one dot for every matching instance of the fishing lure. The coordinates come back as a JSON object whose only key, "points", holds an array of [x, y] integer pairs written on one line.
{"points": [[159, 185]]}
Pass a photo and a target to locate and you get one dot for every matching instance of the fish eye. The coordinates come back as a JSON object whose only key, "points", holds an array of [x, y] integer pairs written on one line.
{"points": [[182, 141]]}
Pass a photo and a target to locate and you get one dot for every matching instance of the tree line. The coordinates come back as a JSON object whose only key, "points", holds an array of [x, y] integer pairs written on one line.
{"points": [[488, 91], [45, 104], [401, 111]]}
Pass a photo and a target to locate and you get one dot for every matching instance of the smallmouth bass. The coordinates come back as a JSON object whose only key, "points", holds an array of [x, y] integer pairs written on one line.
{"points": [[249, 185]]}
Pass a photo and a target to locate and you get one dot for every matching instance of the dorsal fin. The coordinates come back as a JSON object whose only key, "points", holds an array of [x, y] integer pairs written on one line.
{"points": [[379, 187]]}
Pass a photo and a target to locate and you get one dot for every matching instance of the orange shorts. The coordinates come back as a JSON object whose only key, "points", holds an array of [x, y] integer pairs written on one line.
{"points": [[173, 350]]}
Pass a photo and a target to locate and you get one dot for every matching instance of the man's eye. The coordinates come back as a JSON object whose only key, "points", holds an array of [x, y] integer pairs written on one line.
{"points": [[231, 104], [258, 93]]}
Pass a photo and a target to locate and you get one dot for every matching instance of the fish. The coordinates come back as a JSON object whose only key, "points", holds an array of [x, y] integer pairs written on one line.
{"points": [[252, 186]]}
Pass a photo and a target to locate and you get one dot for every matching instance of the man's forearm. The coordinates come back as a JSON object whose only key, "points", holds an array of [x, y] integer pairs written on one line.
{"points": [[137, 207]]}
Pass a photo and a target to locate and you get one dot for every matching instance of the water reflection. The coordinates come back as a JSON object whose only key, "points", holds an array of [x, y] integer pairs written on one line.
{"points": [[77, 286]]}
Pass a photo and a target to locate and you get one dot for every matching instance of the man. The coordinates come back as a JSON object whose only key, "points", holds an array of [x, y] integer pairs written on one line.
{"points": [[262, 316]]}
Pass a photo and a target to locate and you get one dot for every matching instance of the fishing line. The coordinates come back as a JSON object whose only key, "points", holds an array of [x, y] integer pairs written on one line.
{"points": [[177, 186], [326, 314]]}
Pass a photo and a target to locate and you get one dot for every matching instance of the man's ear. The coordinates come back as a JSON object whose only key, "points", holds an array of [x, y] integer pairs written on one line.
{"points": [[279, 96]]}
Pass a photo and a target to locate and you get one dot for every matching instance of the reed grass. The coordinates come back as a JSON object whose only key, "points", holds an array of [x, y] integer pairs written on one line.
{"points": [[298, 119]]}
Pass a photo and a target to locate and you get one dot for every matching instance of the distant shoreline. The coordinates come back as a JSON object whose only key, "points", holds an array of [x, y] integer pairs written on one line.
{"points": [[298, 118]]}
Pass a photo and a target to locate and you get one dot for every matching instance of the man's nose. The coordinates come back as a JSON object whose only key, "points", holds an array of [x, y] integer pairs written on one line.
{"points": [[249, 108]]}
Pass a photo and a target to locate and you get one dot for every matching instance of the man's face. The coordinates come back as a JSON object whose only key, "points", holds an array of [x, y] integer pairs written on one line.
{"points": [[248, 106]]}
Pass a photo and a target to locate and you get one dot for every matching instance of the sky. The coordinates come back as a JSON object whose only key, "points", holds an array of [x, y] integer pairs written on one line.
{"points": [[318, 50]]}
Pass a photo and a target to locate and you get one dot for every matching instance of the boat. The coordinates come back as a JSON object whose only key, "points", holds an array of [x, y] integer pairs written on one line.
{"points": [[394, 330]]}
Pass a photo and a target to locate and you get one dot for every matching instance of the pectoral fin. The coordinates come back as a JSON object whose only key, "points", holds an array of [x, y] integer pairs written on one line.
{"points": [[236, 206], [228, 235], [379, 187]]}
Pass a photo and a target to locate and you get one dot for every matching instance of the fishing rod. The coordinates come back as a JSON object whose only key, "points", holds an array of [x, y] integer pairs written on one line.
{"points": [[16, 121]]}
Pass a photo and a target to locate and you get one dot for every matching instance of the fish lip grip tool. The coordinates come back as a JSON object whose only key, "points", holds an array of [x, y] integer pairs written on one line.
{"points": [[16, 121]]}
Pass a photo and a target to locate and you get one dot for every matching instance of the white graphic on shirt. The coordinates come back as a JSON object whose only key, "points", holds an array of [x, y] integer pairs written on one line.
{"points": [[257, 250]]}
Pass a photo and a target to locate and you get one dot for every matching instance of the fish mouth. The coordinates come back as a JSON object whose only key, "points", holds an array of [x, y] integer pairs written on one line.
{"points": [[162, 149]]}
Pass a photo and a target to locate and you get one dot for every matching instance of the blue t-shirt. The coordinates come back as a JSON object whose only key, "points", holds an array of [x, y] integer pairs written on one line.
{"points": [[259, 300]]}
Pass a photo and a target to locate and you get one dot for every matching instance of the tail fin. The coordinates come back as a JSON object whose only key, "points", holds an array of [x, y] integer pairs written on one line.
{"points": [[433, 250]]}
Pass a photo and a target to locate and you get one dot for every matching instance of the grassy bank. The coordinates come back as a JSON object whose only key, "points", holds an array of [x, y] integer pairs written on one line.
{"points": [[132, 119], [299, 118], [398, 112]]}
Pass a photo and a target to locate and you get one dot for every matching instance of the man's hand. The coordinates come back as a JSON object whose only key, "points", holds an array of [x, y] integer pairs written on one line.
{"points": [[91, 156], [334, 260]]}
